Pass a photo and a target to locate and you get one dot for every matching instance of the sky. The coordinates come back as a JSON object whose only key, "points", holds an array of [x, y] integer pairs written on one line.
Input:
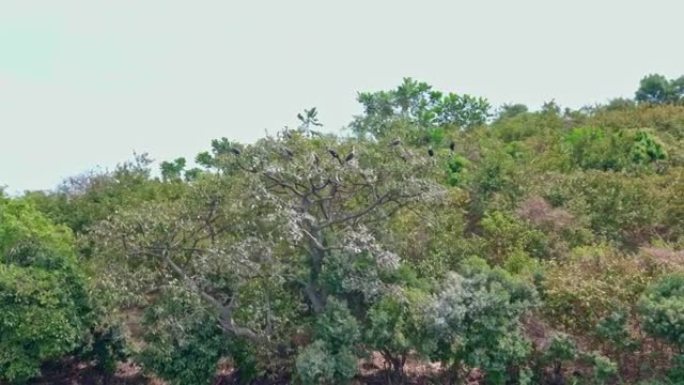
{"points": [[85, 84]]}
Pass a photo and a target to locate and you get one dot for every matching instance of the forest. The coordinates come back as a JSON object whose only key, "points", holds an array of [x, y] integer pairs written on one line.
{"points": [[437, 239]]}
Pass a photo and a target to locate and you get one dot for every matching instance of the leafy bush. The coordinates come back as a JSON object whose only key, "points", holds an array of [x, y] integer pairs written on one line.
{"points": [[589, 286], [183, 342], [662, 310], [474, 320], [504, 235], [615, 150], [456, 167], [44, 307], [562, 350], [646, 148], [395, 328], [614, 330], [616, 207], [330, 359], [600, 149]]}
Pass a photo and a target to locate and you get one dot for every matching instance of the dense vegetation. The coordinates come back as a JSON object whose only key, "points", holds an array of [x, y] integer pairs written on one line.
{"points": [[504, 247]]}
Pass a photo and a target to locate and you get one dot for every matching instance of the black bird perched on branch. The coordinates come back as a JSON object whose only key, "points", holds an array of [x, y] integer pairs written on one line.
{"points": [[452, 146], [335, 155], [349, 156], [235, 151], [431, 152], [395, 142]]}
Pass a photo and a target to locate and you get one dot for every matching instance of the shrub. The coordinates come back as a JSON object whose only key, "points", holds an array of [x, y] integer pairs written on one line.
{"points": [[662, 310], [456, 166], [596, 148], [505, 235], [183, 342], [562, 350], [330, 359], [474, 320], [394, 328], [614, 330], [590, 285], [616, 207], [646, 148], [44, 307]]}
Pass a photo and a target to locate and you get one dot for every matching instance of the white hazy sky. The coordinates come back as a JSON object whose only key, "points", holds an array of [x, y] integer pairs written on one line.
{"points": [[86, 83]]}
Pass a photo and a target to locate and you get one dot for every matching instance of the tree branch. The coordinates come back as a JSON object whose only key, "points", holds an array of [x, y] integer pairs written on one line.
{"points": [[382, 199], [225, 311]]}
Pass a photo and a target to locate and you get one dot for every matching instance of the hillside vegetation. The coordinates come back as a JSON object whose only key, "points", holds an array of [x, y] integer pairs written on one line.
{"points": [[437, 240]]}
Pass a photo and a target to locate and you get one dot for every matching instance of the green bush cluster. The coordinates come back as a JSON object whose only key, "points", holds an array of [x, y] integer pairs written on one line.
{"points": [[44, 305]]}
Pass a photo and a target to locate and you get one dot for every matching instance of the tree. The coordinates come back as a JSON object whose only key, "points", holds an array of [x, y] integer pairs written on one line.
{"points": [[172, 170], [272, 232], [657, 89], [418, 104], [508, 111]]}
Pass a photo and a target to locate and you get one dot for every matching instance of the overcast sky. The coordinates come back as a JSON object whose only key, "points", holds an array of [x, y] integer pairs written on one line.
{"points": [[87, 83]]}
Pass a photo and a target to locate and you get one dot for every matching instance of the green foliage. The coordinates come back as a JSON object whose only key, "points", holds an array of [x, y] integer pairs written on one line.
{"points": [[604, 370], [601, 149], [562, 350], [496, 176], [330, 359], [395, 328], [657, 89], [83, 201], [662, 309], [591, 285], [505, 236], [388, 329], [316, 365], [172, 170], [614, 329], [646, 149], [456, 167], [474, 320], [620, 104], [516, 125], [508, 111], [615, 207], [44, 306], [417, 103], [183, 342], [594, 148], [676, 372]]}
